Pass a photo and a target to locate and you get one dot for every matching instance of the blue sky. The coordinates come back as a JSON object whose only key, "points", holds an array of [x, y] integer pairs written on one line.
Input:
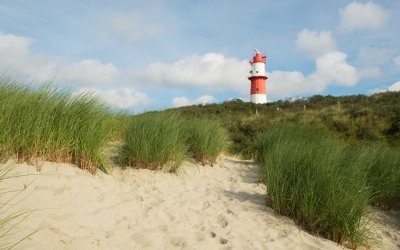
{"points": [[141, 55]]}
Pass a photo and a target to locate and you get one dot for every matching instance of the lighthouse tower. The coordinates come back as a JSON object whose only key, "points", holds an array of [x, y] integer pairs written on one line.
{"points": [[257, 77]]}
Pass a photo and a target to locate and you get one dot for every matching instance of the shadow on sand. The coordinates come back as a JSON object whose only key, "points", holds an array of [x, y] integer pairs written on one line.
{"points": [[247, 170]]}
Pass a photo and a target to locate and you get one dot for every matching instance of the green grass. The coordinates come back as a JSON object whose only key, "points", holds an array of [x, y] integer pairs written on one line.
{"points": [[160, 140], [53, 125], [206, 139], [155, 141], [384, 176], [355, 119], [318, 181]]}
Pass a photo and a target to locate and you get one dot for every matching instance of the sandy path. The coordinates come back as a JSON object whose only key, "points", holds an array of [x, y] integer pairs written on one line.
{"points": [[201, 208]]}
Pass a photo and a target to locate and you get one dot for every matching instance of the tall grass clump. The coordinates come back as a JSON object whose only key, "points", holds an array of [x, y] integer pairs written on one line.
{"points": [[43, 123], [206, 139], [156, 141], [316, 180], [384, 175]]}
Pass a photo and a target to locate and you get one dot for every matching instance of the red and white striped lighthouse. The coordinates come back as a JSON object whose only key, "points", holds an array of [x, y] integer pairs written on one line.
{"points": [[258, 78]]}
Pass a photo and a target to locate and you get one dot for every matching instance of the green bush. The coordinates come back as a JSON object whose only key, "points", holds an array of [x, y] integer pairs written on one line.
{"points": [[155, 140], [316, 180], [206, 139], [52, 125]]}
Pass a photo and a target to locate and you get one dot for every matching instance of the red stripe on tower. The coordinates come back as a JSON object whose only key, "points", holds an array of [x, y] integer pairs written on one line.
{"points": [[258, 78]]}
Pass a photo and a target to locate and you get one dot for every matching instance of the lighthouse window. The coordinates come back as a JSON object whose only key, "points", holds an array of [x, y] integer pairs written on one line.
{"points": [[257, 90], [251, 71], [257, 71]]}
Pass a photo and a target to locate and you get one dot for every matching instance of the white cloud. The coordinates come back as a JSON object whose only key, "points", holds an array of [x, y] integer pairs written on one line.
{"points": [[396, 60], [333, 67], [205, 99], [132, 27], [19, 61], [395, 86], [16, 59], [376, 91], [371, 60], [314, 43], [359, 16], [14, 48], [212, 71], [370, 72], [281, 84], [121, 98], [373, 56], [181, 101], [90, 72], [184, 101]]}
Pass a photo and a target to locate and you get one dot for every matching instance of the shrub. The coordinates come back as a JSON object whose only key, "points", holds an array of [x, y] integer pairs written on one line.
{"points": [[53, 125], [206, 139], [155, 141], [316, 180]]}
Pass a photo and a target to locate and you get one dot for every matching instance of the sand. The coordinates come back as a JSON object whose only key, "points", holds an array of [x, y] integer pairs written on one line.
{"points": [[201, 207]]}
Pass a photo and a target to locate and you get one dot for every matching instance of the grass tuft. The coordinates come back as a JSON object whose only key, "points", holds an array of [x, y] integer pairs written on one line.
{"points": [[43, 123], [206, 139], [316, 180], [384, 175], [163, 140], [155, 141]]}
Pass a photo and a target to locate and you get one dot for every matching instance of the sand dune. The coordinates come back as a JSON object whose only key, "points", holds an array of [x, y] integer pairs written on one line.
{"points": [[200, 208]]}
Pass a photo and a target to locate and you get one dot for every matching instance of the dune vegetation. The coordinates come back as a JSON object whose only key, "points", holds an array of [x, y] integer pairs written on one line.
{"points": [[324, 160], [326, 185], [164, 140], [155, 140], [353, 119], [383, 175], [206, 139], [41, 123], [319, 182]]}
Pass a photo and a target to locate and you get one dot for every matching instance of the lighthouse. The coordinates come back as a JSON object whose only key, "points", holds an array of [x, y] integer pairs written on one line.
{"points": [[258, 78]]}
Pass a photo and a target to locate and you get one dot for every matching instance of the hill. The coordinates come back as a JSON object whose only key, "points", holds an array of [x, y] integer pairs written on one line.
{"points": [[355, 119]]}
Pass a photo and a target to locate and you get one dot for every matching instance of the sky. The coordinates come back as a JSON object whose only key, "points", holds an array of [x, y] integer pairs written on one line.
{"points": [[145, 55]]}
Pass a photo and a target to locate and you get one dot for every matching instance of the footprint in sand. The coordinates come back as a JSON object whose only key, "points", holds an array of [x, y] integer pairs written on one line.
{"points": [[178, 242], [223, 241], [222, 221], [206, 205], [231, 212]]}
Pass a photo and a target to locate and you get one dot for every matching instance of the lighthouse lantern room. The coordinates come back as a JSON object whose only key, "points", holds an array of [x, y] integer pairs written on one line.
{"points": [[258, 78]]}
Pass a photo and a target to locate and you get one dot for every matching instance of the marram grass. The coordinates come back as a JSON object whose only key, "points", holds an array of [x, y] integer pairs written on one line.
{"points": [[384, 175], [43, 123], [163, 140], [155, 140], [316, 180], [206, 139]]}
